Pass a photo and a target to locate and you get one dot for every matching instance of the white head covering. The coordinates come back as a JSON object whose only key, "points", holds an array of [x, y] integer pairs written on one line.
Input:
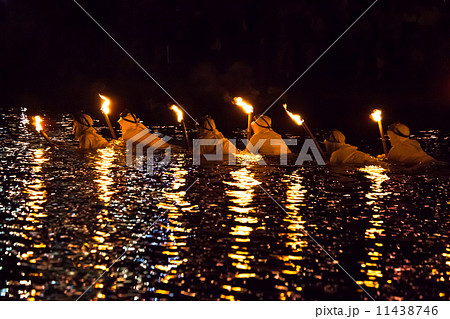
{"points": [[81, 123], [129, 121], [398, 133], [262, 123], [335, 140]]}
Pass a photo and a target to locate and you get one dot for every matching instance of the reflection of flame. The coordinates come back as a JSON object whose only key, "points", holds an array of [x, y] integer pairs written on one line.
{"points": [[295, 232], [372, 267], [297, 118], [103, 166], [36, 189], [176, 205], [240, 102], [38, 123], [378, 175], [244, 196], [105, 105], [376, 115], [179, 112], [246, 223]]}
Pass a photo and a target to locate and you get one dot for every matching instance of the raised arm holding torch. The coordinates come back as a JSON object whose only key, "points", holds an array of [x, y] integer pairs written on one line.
{"points": [[105, 110], [39, 129], [247, 109], [376, 116], [301, 122], [180, 119]]}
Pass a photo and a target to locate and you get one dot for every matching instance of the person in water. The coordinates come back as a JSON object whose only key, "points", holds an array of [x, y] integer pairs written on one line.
{"points": [[86, 135], [342, 153], [273, 143], [207, 130], [133, 130], [405, 150]]}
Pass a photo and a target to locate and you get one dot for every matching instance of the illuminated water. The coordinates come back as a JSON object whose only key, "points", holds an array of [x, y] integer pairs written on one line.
{"points": [[66, 216]]}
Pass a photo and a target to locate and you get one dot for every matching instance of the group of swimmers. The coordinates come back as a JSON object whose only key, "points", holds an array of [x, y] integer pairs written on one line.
{"points": [[403, 151]]}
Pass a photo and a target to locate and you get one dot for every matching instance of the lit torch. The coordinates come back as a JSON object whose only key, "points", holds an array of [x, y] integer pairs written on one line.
{"points": [[39, 129], [105, 110], [301, 122], [376, 116], [180, 119], [247, 109]]}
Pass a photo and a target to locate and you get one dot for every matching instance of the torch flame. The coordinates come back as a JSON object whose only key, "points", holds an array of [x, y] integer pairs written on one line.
{"points": [[38, 123], [296, 117], [179, 112], [240, 102], [376, 115], [105, 105]]}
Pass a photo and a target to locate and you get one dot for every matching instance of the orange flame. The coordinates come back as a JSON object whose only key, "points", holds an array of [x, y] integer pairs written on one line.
{"points": [[240, 102], [296, 117], [376, 115], [105, 105], [38, 123], [179, 112]]}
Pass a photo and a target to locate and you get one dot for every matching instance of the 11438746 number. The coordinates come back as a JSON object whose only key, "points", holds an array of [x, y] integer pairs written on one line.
{"points": [[407, 310]]}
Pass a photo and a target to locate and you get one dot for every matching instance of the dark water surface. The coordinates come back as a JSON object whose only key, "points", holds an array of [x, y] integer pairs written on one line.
{"points": [[66, 216]]}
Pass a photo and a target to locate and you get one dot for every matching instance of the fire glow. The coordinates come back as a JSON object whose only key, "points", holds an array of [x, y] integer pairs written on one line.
{"points": [[296, 117], [179, 112], [245, 106], [376, 115], [38, 123], [106, 104]]}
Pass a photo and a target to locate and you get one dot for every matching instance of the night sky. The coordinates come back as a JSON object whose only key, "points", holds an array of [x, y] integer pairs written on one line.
{"points": [[53, 57]]}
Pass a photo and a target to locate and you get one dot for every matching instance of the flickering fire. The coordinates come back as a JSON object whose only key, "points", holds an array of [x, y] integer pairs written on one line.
{"points": [[296, 117], [38, 123], [105, 105], [240, 102], [179, 112], [376, 115]]}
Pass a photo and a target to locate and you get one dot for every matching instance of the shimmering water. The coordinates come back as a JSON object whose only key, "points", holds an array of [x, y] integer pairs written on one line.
{"points": [[66, 216]]}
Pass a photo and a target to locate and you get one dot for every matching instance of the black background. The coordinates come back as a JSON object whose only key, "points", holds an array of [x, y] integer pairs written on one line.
{"points": [[53, 57]]}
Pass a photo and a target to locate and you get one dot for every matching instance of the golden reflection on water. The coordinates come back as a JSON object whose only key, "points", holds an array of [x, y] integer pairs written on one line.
{"points": [[373, 268], [102, 246], [295, 197], [176, 205], [295, 234], [103, 165], [37, 196], [243, 213]]}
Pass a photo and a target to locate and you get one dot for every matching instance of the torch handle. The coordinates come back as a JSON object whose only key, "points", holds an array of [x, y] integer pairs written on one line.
{"points": [[48, 138], [249, 127], [113, 133], [186, 135], [383, 140], [308, 131]]}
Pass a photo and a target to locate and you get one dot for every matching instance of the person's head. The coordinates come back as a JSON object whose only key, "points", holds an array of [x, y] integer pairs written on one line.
{"points": [[128, 120], [398, 132], [81, 122], [205, 124], [335, 140], [127, 117], [260, 123]]}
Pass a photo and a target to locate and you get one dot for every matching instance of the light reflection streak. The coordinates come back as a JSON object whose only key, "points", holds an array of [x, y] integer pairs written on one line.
{"points": [[37, 197], [36, 189], [103, 165], [373, 268], [102, 246], [174, 201], [243, 214], [295, 197], [296, 233]]}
